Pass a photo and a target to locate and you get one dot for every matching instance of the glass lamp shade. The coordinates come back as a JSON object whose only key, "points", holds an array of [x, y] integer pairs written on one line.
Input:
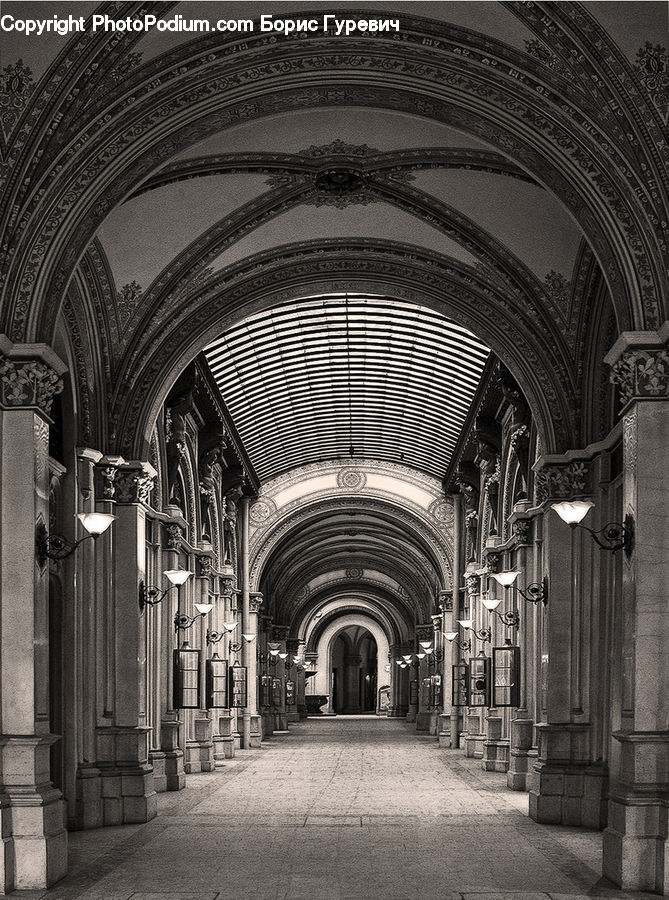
{"points": [[420, 655], [425, 644], [403, 665], [506, 579], [399, 661], [428, 650], [450, 635], [466, 623], [572, 511], [249, 637], [274, 652], [204, 608], [283, 656], [491, 602], [95, 523], [229, 626], [177, 576], [407, 658]]}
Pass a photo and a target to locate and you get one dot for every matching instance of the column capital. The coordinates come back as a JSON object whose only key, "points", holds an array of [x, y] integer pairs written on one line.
{"points": [[446, 601], [30, 376], [205, 564], [639, 363], [255, 601], [564, 480], [280, 632], [133, 481], [105, 471], [424, 632]]}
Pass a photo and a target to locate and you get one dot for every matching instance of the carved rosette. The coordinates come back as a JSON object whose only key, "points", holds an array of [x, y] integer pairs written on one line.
{"points": [[261, 511], [564, 480], [642, 374], [134, 483], [352, 479], [26, 383]]}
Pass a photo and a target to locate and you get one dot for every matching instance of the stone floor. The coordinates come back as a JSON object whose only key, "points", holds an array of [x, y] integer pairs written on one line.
{"points": [[349, 807]]}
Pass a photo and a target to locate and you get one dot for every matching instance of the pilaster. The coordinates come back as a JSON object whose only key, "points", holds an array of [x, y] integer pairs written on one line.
{"points": [[31, 809], [636, 852]]}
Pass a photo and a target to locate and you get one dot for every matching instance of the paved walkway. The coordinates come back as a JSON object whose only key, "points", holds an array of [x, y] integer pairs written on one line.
{"points": [[350, 807]]}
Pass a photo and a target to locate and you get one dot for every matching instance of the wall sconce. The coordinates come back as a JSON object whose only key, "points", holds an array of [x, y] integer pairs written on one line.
{"points": [[537, 592], [55, 546], [184, 622], [236, 646], [615, 536], [150, 596], [451, 636], [510, 619], [483, 635], [213, 637]]}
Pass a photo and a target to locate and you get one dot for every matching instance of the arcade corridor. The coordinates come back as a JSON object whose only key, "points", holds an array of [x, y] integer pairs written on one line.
{"points": [[362, 807]]}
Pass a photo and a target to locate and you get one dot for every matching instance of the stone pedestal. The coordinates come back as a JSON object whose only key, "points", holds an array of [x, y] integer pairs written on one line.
{"points": [[256, 731], [423, 721], [474, 736], [522, 729], [495, 750], [88, 805], [566, 788], [128, 793]]}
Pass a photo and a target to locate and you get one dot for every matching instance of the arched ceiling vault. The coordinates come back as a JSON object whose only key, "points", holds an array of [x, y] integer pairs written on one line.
{"points": [[184, 103]]}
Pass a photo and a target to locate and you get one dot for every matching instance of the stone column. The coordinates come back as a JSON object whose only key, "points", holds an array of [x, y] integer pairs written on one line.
{"points": [[278, 671], [255, 605], [424, 712], [636, 854], [31, 809], [200, 751], [566, 786], [522, 724], [123, 745], [293, 649], [170, 724]]}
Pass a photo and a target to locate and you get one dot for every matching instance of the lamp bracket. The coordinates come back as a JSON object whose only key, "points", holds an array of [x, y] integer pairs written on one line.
{"points": [[149, 596], [213, 637], [184, 622], [511, 619], [54, 546], [614, 536], [537, 592], [484, 635]]}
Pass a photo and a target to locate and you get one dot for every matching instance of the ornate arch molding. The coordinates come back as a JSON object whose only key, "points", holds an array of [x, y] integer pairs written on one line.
{"points": [[313, 636], [568, 141], [387, 604], [420, 529], [384, 268]]}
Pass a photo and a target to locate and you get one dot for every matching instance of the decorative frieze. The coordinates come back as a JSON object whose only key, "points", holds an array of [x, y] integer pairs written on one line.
{"points": [[564, 480]]}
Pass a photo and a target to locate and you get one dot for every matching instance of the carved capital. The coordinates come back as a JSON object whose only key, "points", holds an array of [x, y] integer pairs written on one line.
{"points": [[436, 622], [30, 376], [564, 480], [172, 536], [492, 560], [642, 374], [280, 632], [104, 473], [521, 530], [133, 482], [205, 566], [472, 585], [446, 601], [255, 602], [424, 632]]}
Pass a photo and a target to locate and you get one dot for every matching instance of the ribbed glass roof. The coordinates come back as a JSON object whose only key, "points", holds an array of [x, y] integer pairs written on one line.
{"points": [[339, 376]]}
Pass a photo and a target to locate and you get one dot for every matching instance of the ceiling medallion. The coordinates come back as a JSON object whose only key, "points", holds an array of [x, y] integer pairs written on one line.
{"points": [[352, 479]]}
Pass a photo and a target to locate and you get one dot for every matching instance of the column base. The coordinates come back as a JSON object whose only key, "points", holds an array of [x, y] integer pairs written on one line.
{"points": [[199, 754], [157, 761], [520, 753], [174, 774], [224, 741], [635, 853], [280, 722], [565, 787], [292, 715], [444, 731], [423, 722], [256, 731], [88, 804], [33, 815]]}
